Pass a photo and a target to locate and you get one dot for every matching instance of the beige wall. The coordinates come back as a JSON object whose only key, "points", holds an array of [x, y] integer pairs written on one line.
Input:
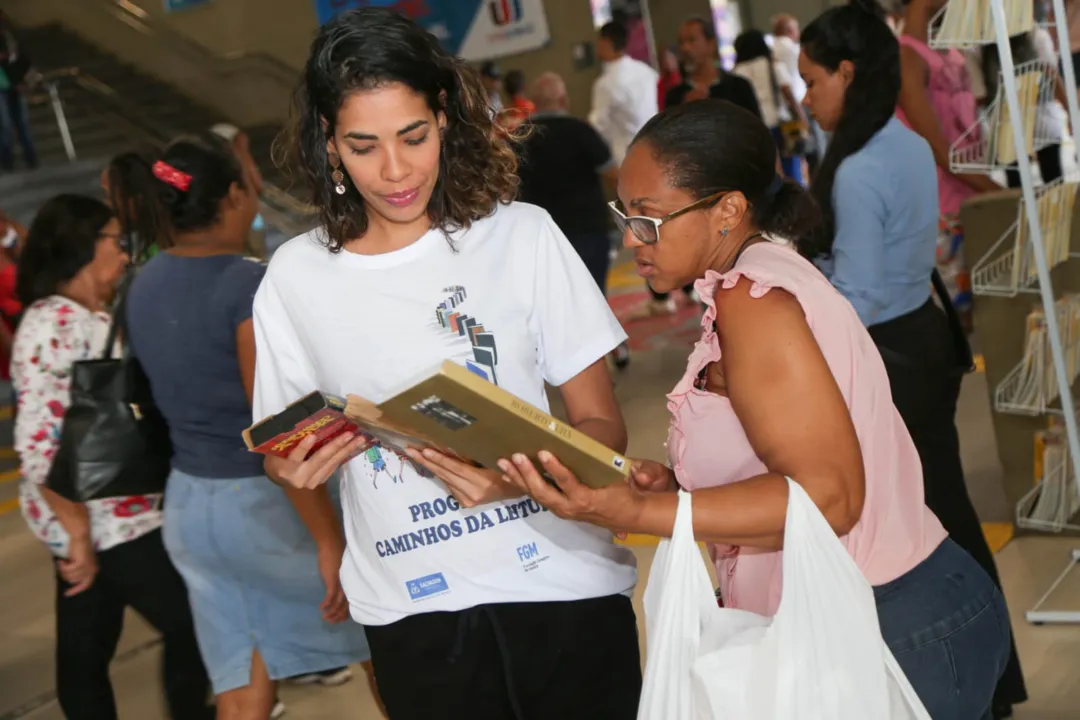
{"points": [[280, 28], [242, 56], [667, 15], [758, 13], [571, 23]]}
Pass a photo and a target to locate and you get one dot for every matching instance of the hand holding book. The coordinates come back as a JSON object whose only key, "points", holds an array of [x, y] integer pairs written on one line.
{"points": [[469, 484], [304, 469], [617, 506]]}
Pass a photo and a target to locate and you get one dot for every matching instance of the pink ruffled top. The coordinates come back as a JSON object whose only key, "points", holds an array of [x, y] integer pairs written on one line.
{"points": [[708, 447]]}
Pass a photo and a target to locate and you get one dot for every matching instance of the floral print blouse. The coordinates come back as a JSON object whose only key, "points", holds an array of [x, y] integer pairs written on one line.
{"points": [[53, 334]]}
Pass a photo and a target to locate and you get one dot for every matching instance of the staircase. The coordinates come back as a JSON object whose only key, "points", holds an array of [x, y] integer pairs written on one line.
{"points": [[104, 91], [110, 107], [23, 193]]}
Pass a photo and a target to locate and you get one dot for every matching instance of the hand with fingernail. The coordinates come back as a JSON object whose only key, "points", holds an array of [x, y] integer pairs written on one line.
{"points": [[470, 485], [617, 507], [303, 472]]}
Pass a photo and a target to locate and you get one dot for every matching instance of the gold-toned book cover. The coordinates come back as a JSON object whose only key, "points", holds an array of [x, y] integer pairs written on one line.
{"points": [[462, 414], [459, 410]]}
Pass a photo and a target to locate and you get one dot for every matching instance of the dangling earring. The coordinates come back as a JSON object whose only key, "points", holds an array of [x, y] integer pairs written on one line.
{"points": [[336, 175]]}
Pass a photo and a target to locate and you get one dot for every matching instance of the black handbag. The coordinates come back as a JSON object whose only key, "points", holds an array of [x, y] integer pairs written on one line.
{"points": [[114, 441]]}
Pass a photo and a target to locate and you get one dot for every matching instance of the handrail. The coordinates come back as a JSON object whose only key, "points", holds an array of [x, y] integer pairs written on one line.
{"points": [[275, 212], [138, 19]]}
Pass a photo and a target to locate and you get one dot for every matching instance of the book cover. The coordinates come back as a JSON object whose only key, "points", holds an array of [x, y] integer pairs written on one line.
{"points": [[456, 407], [453, 409], [319, 414]]}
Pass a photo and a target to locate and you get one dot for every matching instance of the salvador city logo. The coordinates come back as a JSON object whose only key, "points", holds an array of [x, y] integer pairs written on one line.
{"points": [[505, 12]]}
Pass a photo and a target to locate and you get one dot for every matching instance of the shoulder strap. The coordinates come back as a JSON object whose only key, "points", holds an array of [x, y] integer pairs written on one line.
{"points": [[965, 360], [118, 324]]}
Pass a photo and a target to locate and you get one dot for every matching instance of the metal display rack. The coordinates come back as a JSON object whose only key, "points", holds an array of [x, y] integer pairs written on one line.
{"points": [[1019, 261]]}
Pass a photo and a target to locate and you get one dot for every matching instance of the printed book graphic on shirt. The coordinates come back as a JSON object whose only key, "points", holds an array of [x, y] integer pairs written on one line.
{"points": [[453, 319]]}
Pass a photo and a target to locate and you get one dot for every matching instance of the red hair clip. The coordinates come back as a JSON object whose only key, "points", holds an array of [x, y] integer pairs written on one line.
{"points": [[169, 175]]}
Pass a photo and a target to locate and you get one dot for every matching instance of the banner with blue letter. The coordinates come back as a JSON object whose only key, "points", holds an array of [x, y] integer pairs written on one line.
{"points": [[174, 5], [472, 29]]}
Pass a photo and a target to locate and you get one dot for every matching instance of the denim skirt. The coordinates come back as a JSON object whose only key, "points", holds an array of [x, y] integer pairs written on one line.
{"points": [[947, 625], [252, 574]]}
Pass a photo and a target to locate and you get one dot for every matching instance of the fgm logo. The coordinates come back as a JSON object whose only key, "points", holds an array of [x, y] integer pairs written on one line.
{"points": [[505, 12]]}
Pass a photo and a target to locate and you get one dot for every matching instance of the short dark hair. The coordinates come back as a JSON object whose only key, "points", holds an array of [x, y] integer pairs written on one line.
{"points": [[371, 47], [616, 34], [62, 241], [707, 28], [514, 82], [213, 168], [751, 45], [710, 146]]}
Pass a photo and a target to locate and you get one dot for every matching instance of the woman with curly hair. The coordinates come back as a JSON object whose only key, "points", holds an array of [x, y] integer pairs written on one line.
{"points": [[461, 582]]}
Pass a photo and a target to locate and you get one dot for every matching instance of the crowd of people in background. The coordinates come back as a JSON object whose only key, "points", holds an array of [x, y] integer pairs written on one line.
{"points": [[826, 137]]}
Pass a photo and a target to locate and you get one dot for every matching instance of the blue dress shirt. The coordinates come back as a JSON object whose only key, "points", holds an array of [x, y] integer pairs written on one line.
{"points": [[885, 200]]}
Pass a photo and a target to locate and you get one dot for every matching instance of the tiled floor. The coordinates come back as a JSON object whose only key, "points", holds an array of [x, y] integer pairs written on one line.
{"points": [[1051, 654]]}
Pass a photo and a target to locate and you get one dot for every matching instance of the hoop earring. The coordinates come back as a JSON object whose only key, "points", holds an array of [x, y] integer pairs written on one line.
{"points": [[336, 175]]}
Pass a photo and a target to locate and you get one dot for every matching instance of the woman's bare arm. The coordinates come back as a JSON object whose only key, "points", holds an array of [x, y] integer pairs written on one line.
{"points": [[591, 406], [795, 417], [915, 102], [314, 507]]}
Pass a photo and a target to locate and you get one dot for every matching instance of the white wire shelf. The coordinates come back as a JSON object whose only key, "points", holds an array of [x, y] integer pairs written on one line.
{"points": [[987, 146], [1008, 267], [1053, 505], [1031, 387], [967, 23]]}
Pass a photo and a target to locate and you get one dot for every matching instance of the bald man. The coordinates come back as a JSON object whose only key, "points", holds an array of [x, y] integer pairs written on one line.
{"points": [[564, 161]]}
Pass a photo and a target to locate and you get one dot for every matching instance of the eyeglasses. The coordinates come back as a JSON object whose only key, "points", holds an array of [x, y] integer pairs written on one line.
{"points": [[647, 229]]}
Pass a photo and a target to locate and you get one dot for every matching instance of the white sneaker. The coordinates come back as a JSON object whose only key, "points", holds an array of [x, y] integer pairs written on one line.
{"points": [[329, 678], [278, 711]]}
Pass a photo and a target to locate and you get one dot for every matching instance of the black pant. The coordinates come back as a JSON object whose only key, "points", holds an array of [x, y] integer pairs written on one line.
{"points": [[88, 625], [920, 356], [594, 248], [1049, 166], [514, 661]]}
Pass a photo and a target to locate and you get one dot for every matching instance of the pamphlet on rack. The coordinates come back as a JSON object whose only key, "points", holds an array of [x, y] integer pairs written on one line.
{"points": [[451, 409]]}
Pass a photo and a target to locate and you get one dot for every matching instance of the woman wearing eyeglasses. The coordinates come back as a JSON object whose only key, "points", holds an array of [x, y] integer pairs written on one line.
{"points": [[459, 580], [785, 382]]}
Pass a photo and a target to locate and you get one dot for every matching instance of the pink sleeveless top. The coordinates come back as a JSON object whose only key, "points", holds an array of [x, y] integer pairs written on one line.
{"points": [[954, 104], [707, 445]]}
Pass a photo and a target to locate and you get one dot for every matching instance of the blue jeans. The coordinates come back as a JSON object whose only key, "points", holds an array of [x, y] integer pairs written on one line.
{"points": [[947, 624], [15, 121]]}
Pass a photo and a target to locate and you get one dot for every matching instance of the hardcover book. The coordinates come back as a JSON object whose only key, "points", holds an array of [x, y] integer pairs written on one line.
{"points": [[453, 409]]}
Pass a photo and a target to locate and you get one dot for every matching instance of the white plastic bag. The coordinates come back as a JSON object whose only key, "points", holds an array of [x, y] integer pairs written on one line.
{"points": [[820, 658]]}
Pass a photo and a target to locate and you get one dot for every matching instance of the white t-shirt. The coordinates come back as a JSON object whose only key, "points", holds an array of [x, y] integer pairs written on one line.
{"points": [[786, 53], [625, 97], [366, 324], [1050, 118], [770, 98]]}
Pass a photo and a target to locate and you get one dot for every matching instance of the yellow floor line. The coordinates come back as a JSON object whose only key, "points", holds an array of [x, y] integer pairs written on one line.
{"points": [[8, 453], [6, 412], [998, 535], [624, 276], [634, 539], [10, 476], [980, 363], [9, 505]]}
